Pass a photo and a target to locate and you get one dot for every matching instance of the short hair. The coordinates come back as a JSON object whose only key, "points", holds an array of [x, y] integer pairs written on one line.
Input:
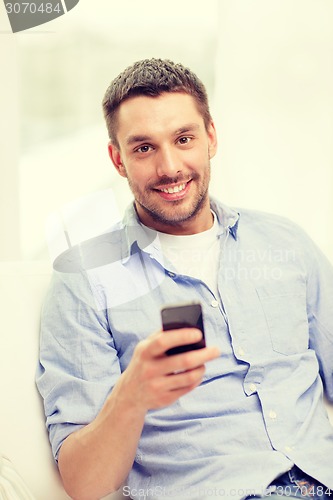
{"points": [[152, 77]]}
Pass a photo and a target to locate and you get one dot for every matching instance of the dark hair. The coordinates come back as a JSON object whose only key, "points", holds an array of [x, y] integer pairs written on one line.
{"points": [[152, 77]]}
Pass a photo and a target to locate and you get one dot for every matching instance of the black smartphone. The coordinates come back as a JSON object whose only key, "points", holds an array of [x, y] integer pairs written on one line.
{"points": [[183, 316]]}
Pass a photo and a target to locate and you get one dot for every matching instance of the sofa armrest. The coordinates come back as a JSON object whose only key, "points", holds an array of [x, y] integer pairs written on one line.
{"points": [[23, 434]]}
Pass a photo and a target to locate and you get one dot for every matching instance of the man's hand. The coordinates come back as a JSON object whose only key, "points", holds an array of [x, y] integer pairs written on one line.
{"points": [[153, 379], [96, 459]]}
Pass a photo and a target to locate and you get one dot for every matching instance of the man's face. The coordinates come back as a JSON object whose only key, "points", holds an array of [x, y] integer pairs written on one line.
{"points": [[164, 151]]}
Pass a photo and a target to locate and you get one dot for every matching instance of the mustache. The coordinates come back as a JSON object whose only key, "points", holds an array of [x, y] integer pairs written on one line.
{"points": [[165, 181]]}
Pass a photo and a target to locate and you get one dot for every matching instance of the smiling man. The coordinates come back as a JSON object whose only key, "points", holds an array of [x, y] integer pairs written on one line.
{"points": [[239, 418], [167, 166]]}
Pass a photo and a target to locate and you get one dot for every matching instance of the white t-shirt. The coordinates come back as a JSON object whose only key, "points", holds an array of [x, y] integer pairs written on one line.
{"points": [[195, 255]]}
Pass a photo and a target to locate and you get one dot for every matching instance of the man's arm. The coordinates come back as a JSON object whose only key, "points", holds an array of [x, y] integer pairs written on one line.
{"points": [[95, 460]]}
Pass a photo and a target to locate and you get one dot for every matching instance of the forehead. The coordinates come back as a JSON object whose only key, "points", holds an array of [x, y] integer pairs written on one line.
{"points": [[165, 113]]}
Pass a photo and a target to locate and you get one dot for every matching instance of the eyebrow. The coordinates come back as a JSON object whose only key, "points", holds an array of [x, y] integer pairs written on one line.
{"points": [[191, 127], [133, 139]]}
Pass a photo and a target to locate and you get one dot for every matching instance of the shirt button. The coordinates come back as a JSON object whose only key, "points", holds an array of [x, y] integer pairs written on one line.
{"points": [[214, 303], [241, 351], [253, 387], [288, 448], [272, 414]]}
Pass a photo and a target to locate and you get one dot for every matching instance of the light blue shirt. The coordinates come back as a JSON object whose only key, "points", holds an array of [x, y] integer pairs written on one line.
{"points": [[259, 409]]}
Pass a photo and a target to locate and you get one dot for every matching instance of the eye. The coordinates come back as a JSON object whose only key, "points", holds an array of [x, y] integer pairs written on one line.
{"points": [[143, 149], [184, 140]]}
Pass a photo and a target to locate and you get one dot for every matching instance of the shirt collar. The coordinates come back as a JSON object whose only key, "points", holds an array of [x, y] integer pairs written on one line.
{"points": [[137, 238], [227, 217]]}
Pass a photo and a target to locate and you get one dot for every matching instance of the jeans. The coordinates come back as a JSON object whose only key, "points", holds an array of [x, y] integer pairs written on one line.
{"points": [[297, 484]]}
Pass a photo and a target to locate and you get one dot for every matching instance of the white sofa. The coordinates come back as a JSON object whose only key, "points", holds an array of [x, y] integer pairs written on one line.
{"points": [[23, 436]]}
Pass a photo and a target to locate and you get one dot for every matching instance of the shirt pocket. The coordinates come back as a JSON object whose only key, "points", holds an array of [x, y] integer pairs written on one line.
{"points": [[285, 310]]}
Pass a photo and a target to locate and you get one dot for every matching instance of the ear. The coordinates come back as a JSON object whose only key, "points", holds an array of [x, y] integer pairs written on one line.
{"points": [[115, 156], [212, 140]]}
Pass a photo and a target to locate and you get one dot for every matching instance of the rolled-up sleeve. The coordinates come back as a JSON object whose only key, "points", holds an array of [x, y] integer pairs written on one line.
{"points": [[78, 360]]}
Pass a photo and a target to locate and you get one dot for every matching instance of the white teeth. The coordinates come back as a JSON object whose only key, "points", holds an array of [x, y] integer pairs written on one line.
{"points": [[175, 189]]}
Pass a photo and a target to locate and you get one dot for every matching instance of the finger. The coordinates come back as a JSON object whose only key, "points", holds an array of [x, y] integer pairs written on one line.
{"points": [[160, 342], [185, 361], [165, 390], [169, 397], [185, 380], [190, 359]]}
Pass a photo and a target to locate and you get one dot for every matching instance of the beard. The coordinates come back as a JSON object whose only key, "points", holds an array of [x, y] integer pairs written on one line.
{"points": [[176, 212]]}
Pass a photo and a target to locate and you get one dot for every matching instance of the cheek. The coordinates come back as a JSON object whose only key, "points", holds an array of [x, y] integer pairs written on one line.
{"points": [[200, 154], [138, 177], [198, 160]]}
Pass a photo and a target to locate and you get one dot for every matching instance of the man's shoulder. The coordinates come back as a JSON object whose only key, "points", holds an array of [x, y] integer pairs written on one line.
{"points": [[251, 218], [258, 218], [272, 229]]}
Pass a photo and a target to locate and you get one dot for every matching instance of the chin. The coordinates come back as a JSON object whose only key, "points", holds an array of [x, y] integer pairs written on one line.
{"points": [[176, 215]]}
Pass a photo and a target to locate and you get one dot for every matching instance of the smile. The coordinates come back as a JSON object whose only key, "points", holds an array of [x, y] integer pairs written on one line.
{"points": [[175, 189]]}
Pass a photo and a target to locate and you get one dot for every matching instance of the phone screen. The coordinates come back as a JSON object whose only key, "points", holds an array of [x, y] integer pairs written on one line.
{"points": [[183, 316]]}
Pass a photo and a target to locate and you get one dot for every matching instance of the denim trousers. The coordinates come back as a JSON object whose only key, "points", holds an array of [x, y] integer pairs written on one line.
{"points": [[297, 484]]}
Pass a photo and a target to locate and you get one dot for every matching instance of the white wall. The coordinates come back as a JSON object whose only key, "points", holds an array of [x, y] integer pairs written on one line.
{"points": [[9, 145], [52, 90], [274, 110], [272, 104]]}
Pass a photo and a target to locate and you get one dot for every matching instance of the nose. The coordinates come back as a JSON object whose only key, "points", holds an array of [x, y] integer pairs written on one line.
{"points": [[168, 162]]}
